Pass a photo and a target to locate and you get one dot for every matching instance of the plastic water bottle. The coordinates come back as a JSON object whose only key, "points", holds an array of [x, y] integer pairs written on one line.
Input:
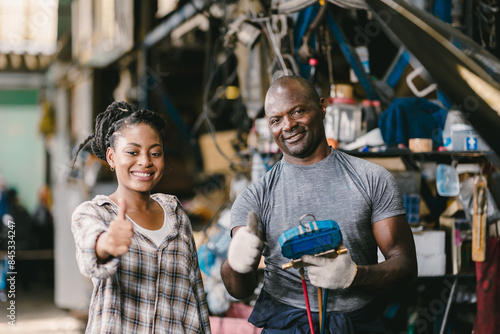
{"points": [[453, 117], [258, 167]]}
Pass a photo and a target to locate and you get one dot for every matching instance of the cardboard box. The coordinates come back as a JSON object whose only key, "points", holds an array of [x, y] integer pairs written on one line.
{"points": [[431, 264], [430, 242], [431, 255], [213, 160], [431, 252]]}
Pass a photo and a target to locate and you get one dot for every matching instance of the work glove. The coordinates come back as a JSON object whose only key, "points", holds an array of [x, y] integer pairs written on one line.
{"points": [[246, 246], [330, 273]]}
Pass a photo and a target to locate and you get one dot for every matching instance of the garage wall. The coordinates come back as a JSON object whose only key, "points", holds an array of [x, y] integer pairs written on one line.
{"points": [[22, 161]]}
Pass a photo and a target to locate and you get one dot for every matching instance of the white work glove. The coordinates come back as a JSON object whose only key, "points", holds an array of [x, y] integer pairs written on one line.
{"points": [[330, 273], [245, 248]]}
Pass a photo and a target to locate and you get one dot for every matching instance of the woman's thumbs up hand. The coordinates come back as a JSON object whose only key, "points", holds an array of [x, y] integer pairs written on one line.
{"points": [[120, 232], [117, 239]]}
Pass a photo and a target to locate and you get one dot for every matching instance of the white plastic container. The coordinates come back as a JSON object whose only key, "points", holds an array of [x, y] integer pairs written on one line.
{"points": [[458, 135], [465, 138], [342, 120], [453, 117], [431, 252]]}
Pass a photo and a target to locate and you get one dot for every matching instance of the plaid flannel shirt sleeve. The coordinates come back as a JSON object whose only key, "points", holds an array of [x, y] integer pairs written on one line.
{"points": [[196, 276], [88, 222]]}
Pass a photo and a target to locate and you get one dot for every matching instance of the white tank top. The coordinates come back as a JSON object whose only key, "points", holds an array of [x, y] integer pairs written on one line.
{"points": [[157, 236]]}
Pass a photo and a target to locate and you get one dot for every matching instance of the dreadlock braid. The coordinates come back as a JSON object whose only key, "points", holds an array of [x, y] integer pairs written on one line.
{"points": [[82, 145], [105, 126], [117, 116]]}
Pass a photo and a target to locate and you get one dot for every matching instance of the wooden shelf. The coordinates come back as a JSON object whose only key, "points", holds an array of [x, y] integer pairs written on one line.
{"points": [[413, 159]]}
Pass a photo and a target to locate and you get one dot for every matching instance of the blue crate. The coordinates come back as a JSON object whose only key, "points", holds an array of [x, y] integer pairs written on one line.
{"points": [[411, 203]]}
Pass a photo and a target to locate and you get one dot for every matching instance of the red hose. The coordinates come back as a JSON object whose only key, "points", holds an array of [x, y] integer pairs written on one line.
{"points": [[308, 308]]}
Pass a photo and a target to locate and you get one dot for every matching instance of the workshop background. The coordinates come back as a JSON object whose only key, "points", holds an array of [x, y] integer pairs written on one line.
{"points": [[412, 86]]}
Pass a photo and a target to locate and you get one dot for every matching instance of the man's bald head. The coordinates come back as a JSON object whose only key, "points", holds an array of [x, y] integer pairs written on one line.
{"points": [[289, 81]]}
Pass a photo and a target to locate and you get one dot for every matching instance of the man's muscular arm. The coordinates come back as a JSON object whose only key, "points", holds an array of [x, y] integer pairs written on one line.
{"points": [[395, 240]]}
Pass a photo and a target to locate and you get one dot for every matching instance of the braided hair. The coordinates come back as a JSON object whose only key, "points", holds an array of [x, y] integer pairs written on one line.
{"points": [[108, 124]]}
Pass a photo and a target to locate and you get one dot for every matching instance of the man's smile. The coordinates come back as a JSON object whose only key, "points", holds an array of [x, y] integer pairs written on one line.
{"points": [[294, 137]]}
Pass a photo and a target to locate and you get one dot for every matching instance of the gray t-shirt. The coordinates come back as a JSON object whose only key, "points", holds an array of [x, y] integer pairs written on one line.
{"points": [[351, 191]]}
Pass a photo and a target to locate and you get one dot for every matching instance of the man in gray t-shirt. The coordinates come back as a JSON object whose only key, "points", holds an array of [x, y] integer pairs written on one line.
{"points": [[312, 178]]}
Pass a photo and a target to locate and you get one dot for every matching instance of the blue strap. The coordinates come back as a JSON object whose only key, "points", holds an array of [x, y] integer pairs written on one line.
{"points": [[352, 58], [398, 69], [304, 19]]}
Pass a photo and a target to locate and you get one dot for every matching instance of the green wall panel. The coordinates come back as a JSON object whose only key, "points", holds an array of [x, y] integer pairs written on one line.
{"points": [[21, 148], [18, 97]]}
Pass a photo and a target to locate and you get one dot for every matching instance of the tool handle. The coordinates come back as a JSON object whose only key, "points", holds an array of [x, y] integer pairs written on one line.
{"points": [[479, 219], [330, 253]]}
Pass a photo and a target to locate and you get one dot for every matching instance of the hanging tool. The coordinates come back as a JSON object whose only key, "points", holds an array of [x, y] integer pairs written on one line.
{"points": [[486, 12], [304, 52], [328, 52], [479, 219]]}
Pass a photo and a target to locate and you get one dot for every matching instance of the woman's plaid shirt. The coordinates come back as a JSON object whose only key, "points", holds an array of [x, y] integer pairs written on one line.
{"points": [[149, 289]]}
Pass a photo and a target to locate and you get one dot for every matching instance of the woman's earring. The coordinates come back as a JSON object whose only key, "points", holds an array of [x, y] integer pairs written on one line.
{"points": [[112, 169]]}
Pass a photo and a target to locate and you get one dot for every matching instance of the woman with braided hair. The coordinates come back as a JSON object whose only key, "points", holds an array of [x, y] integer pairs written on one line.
{"points": [[137, 247]]}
